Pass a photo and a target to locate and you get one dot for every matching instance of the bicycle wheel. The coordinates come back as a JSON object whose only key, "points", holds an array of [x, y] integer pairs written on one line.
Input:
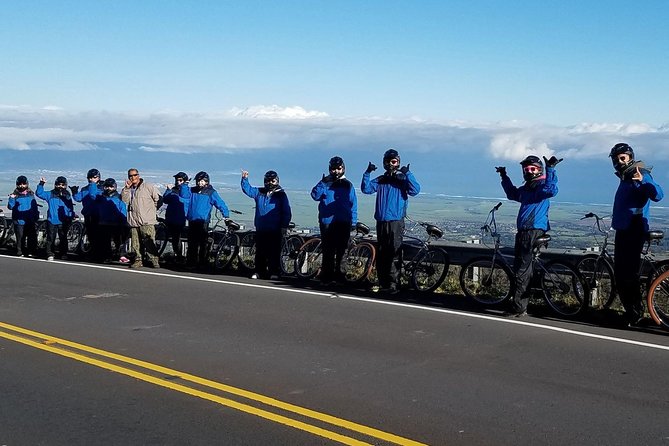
{"points": [[228, 247], [309, 259], [358, 262], [289, 248], [564, 289], [486, 281], [658, 300], [598, 273], [656, 268], [431, 270], [247, 251], [5, 226], [74, 236], [162, 237], [41, 234]]}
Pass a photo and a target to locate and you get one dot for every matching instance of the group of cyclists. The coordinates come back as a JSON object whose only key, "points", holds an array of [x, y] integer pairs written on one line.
{"points": [[111, 216]]}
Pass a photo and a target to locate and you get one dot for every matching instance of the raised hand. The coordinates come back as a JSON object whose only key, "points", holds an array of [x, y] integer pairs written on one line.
{"points": [[245, 173], [42, 180], [501, 170], [74, 189], [405, 169], [552, 162], [637, 175], [370, 168]]}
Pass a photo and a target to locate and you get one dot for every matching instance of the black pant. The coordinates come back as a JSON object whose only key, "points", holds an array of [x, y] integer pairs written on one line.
{"points": [[523, 267], [197, 243], [268, 253], [389, 256], [56, 230], [627, 255], [26, 238], [93, 236], [107, 235], [174, 233], [335, 237]]}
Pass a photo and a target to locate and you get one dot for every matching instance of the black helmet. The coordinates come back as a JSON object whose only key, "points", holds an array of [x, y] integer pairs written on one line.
{"points": [[532, 161], [21, 179], [201, 175], [391, 154], [183, 176], [621, 147], [60, 180], [109, 182], [92, 173], [271, 175]]}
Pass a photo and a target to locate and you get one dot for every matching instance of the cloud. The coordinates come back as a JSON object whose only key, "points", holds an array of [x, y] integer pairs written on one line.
{"points": [[286, 128]]}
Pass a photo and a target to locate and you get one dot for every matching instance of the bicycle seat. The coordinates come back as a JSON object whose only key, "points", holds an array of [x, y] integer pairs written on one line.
{"points": [[655, 235], [434, 231], [232, 225], [291, 225], [362, 228], [542, 241]]}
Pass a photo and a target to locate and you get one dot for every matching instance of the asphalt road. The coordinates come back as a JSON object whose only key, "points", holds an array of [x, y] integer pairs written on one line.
{"points": [[228, 360]]}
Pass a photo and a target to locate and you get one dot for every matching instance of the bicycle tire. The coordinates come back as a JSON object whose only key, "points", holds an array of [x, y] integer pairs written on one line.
{"points": [[564, 289], [40, 228], [658, 300], [5, 224], [228, 247], [309, 259], [290, 246], [246, 254], [658, 268], [161, 238], [74, 236], [358, 262], [598, 272], [429, 273], [486, 281]]}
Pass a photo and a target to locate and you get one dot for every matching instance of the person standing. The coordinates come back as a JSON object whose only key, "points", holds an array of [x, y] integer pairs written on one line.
{"points": [[631, 211], [59, 215], [201, 198], [87, 196], [141, 199], [272, 217], [532, 221], [112, 218], [175, 197], [25, 214], [393, 189], [337, 213]]}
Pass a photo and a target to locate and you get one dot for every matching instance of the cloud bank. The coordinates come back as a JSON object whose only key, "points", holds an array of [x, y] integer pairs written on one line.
{"points": [[274, 127]]}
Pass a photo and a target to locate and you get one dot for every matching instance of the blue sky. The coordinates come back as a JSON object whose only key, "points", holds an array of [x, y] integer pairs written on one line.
{"points": [[493, 80]]}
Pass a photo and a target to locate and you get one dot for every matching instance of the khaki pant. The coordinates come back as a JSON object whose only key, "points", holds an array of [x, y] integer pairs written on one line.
{"points": [[143, 239]]}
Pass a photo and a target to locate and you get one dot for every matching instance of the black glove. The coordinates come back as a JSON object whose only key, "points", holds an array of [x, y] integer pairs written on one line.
{"points": [[552, 162], [501, 170], [323, 179], [370, 168], [405, 169], [74, 189]]}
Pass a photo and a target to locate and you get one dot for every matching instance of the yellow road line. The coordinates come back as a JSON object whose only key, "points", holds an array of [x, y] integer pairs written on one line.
{"points": [[52, 344]]}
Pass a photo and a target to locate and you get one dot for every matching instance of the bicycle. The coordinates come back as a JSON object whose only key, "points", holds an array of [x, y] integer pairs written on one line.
{"points": [[598, 268], [223, 242], [358, 260], [290, 245], [490, 280], [429, 265]]}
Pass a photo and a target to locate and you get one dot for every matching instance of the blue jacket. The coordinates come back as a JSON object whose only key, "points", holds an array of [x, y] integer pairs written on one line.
{"points": [[24, 208], [177, 200], [61, 208], [273, 211], [534, 200], [87, 197], [201, 201], [337, 201], [111, 210], [633, 198], [392, 194]]}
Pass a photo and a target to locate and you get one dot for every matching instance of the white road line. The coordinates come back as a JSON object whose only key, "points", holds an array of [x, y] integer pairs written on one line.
{"points": [[360, 299]]}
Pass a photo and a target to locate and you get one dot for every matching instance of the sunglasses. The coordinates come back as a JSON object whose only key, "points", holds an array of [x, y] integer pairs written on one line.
{"points": [[132, 175], [394, 161], [531, 169]]}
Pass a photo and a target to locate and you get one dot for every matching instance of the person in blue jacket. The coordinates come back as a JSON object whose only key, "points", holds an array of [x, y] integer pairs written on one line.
{"points": [[111, 218], [176, 212], [201, 198], [393, 190], [87, 196], [337, 212], [59, 215], [25, 214], [631, 211], [532, 221], [272, 216]]}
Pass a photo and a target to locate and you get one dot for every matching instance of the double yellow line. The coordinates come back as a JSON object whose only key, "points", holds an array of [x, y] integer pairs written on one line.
{"points": [[119, 364]]}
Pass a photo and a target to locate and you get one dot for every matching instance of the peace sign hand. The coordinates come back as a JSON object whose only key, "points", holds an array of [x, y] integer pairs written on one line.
{"points": [[637, 176]]}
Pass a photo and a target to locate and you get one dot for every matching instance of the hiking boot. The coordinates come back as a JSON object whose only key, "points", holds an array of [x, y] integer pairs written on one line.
{"points": [[136, 265]]}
